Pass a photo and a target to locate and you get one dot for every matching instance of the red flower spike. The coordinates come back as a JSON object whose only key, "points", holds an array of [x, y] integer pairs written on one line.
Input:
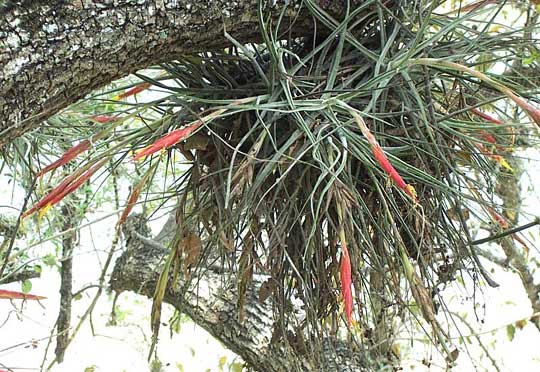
{"points": [[68, 185], [132, 91], [134, 196], [383, 160], [486, 116], [498, 218], [69, 155], [346, 283], [501, 221], [532, 111], [167, 141], [488, 137], [12, 295], [75, 184], [388, 168], [104, 118], [47, 198]]}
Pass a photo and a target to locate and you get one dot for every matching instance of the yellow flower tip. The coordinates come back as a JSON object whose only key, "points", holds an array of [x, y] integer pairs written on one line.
{"points": [[506, 166], [135, 154], [411, 191], [44, 210]]}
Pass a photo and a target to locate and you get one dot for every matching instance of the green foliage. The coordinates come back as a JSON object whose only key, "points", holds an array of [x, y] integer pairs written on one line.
{"points": [[156, 366], [26, 286], [510, 331], [303, 146]]}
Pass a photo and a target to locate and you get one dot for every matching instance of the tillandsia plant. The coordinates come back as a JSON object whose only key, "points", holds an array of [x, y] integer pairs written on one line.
{"points": [[344, 166]]}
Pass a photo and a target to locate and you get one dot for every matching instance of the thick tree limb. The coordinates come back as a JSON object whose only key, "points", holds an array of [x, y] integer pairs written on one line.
{"points": [[210, 300], [508, 188], [53, 53]]}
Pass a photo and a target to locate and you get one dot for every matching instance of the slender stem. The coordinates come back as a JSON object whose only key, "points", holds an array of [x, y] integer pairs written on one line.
{"points": [[17, 226], [506, 232]]}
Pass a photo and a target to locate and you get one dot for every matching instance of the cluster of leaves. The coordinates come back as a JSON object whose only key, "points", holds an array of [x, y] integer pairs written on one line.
{"points": [[344, 165]]}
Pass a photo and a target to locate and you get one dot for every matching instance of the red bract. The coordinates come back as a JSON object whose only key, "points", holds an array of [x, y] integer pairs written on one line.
{"points": [[67, 186], [486, 116], [104, 118], [12, 295], [75, 184], [66, 157], [132, 91], [383, 161], [167, 141], [346, 283], [47, 198], [532, 111], [134, 196], [488, 137]]}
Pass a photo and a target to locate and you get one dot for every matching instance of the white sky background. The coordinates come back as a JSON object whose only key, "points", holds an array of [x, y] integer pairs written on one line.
{"points": [[120, 348], [125, 347]]}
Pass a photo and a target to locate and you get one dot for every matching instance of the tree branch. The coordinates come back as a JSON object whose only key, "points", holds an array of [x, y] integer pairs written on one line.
{"points": [[210, 300], [509, 190], [53, 53]]}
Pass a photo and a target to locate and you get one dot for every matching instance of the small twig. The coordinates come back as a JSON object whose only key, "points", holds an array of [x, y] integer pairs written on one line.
{"points": [[491, 257], [17, 226], [511, 231], [85, 288], [480, 343], [112, 318], [66, 273], [100, 287], [21, 276]]}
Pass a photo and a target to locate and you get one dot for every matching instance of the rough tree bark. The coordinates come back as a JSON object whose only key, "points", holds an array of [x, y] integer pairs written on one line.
{"points": [[210, 300], [53, 53]]}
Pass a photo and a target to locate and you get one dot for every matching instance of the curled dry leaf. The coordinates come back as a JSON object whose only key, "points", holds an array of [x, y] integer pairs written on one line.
{"points": [[266, 290], [191, 251]]}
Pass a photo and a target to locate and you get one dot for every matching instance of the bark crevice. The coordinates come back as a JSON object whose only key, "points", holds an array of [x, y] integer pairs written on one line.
{"points": [[53, 53]]}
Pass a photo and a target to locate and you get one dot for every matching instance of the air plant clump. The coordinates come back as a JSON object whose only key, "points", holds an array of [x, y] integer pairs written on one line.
{"points": [[331, 164]]}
